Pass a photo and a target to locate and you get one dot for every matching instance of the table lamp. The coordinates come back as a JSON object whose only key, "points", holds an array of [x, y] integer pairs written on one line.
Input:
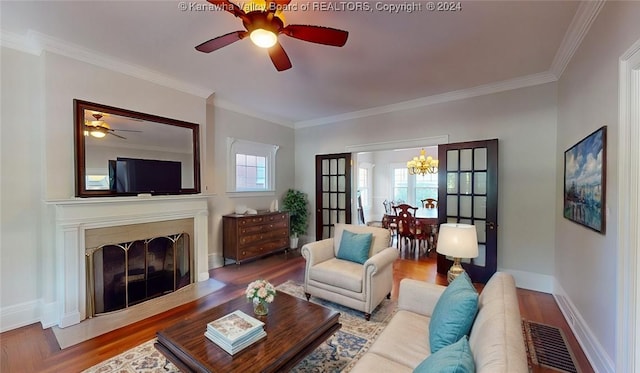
{"points": [[458, 241]]}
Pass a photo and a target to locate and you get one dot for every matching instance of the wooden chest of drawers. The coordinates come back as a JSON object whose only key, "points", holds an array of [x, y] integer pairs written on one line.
{"points": [[251, 236]]}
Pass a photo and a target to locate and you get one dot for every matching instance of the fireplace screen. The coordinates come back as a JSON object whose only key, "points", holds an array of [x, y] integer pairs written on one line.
{"points": [[125, 274]]}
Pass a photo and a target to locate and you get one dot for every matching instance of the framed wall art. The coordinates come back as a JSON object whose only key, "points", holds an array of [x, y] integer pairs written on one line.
{"points": [[585, 181]]}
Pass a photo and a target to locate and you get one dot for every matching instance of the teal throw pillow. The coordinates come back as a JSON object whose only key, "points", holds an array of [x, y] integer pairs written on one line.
{"points": [[454, 313], [355, 247], [455, 358]]}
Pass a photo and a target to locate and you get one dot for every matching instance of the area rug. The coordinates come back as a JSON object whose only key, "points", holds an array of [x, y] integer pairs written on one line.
{"points": [[547, 347], [337, 354]]}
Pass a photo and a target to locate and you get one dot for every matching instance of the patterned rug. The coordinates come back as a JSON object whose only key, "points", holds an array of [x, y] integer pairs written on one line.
{"points": [[337, 354]]}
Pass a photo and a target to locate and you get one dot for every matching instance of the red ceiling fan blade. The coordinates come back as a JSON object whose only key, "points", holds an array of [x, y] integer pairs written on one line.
{"points": [[279, 57], [229, 7], [317, 34], [221, 41]]}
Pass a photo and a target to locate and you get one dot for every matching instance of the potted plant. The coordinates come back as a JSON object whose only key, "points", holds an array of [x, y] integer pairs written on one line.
{"points": [[295, 202]]}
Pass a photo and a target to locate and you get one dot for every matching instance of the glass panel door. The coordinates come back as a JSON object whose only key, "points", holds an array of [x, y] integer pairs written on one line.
{"points": [[333, 192], [469, 191]]}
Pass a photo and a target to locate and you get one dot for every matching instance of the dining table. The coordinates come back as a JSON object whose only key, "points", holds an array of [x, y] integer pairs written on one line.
{"points": [[425, 219]]}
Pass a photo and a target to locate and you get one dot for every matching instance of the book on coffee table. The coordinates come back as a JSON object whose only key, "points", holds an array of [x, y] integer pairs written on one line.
{"points": [[239, 345], [235, 331]]}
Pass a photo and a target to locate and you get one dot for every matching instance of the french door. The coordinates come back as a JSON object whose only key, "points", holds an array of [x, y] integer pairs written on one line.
{"points": [[333, 192], [468, 194]]}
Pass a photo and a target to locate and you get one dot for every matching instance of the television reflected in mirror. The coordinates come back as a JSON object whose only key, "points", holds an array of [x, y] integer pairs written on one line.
{"points": [[120, 152]]}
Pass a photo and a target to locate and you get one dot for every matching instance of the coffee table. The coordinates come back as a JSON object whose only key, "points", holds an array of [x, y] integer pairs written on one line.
{"points": [[294, 328]]}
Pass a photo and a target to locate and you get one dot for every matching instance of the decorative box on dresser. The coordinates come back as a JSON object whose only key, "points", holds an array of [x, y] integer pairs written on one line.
{"points": [[251, 236]]}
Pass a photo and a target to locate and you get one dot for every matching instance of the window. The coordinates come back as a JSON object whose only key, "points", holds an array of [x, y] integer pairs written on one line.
{"points": [[401, 184], [251, 166], [250, 172], [363, 185], [412, 189]]}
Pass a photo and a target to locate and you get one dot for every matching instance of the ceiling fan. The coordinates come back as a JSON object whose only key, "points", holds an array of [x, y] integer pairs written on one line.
{"points": [[99, 128], [263, 27]]}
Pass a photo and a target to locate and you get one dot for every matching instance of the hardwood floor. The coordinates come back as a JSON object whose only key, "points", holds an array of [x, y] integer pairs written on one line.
{"points": [[32, 349]]}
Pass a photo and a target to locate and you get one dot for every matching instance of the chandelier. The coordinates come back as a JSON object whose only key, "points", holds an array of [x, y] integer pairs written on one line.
{"points": [[422, 165]]}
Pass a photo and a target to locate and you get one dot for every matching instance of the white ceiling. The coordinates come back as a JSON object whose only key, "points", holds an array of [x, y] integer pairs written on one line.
{"points": [[388, 59]]}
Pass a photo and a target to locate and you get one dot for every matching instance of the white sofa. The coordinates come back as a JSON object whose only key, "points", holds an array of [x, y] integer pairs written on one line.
{"points": [[495, 339], [358, 286]]}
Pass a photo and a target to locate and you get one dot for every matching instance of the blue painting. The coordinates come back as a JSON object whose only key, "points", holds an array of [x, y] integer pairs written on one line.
{"points": [[584, 181]]}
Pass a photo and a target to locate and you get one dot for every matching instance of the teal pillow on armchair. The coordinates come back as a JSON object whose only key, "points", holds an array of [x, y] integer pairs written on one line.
{"points": [[453, 314], [355, 247]]}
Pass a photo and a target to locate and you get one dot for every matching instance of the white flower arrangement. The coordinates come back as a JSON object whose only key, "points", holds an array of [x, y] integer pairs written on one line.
{"points": [[261, 291]]}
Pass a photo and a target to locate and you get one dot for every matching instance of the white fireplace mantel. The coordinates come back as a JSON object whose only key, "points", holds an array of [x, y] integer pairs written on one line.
{"points": [[74, 217]]}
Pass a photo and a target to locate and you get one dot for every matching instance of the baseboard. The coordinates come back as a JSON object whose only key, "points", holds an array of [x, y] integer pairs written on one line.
{"points": [[49, 314], [600, 361], [531, 281], [215, 261], [19, 315]]}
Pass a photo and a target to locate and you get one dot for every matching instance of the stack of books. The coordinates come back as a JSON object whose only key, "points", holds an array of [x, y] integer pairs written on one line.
{"points": [[235, 331]]}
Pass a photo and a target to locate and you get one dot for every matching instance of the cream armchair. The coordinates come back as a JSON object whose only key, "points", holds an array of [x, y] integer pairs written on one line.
{"points": [[354, 285]]}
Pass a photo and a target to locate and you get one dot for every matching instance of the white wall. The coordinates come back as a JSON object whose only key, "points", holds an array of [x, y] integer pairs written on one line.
{"points": [[38, 162], [523, 120], [231, 124], [66, 79], [588, 99], [20, 187]]}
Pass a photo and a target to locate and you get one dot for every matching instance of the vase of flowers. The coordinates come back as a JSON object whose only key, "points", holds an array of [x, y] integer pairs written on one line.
{"points": [[261, 293]]}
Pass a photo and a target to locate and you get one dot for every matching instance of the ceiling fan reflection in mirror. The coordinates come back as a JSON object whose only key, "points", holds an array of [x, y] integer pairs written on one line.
{"points": [[99, 128], [263, 23]]}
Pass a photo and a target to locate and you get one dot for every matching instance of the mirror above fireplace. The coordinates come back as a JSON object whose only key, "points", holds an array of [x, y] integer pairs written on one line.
{"points": [[120, 152]]}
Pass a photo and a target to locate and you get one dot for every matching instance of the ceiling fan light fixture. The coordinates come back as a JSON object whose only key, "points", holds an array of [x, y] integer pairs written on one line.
{"points": [[263, 38], [98, 133]]}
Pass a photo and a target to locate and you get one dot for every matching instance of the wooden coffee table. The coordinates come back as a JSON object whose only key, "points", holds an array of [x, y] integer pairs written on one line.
{"points": [[294, 328]]}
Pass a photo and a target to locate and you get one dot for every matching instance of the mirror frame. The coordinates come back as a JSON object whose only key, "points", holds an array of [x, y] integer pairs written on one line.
{"points": [[79, 106]]}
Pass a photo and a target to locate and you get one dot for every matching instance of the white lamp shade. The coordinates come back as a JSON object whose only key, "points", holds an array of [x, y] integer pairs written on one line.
{"points": [[458, 240]]}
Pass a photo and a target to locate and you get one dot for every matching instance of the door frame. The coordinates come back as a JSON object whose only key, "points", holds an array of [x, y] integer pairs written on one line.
{"points": [[628, 287], [392, 145]]}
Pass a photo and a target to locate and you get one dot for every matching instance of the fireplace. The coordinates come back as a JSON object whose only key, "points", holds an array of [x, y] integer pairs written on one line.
{"points": [[124, 274], [113, 253]]}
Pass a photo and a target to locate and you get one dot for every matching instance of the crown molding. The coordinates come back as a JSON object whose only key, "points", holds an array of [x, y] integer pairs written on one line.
{"points": [[585, 15], [578, 28], [398, 144], [485, 89], [19, 42], [35, 42], [228, 105]]}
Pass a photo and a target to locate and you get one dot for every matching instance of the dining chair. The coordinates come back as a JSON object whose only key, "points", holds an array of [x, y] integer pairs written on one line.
{"points": [[404, 210], [426, 236], [429, 203], [406, 231], [387, 207]]}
